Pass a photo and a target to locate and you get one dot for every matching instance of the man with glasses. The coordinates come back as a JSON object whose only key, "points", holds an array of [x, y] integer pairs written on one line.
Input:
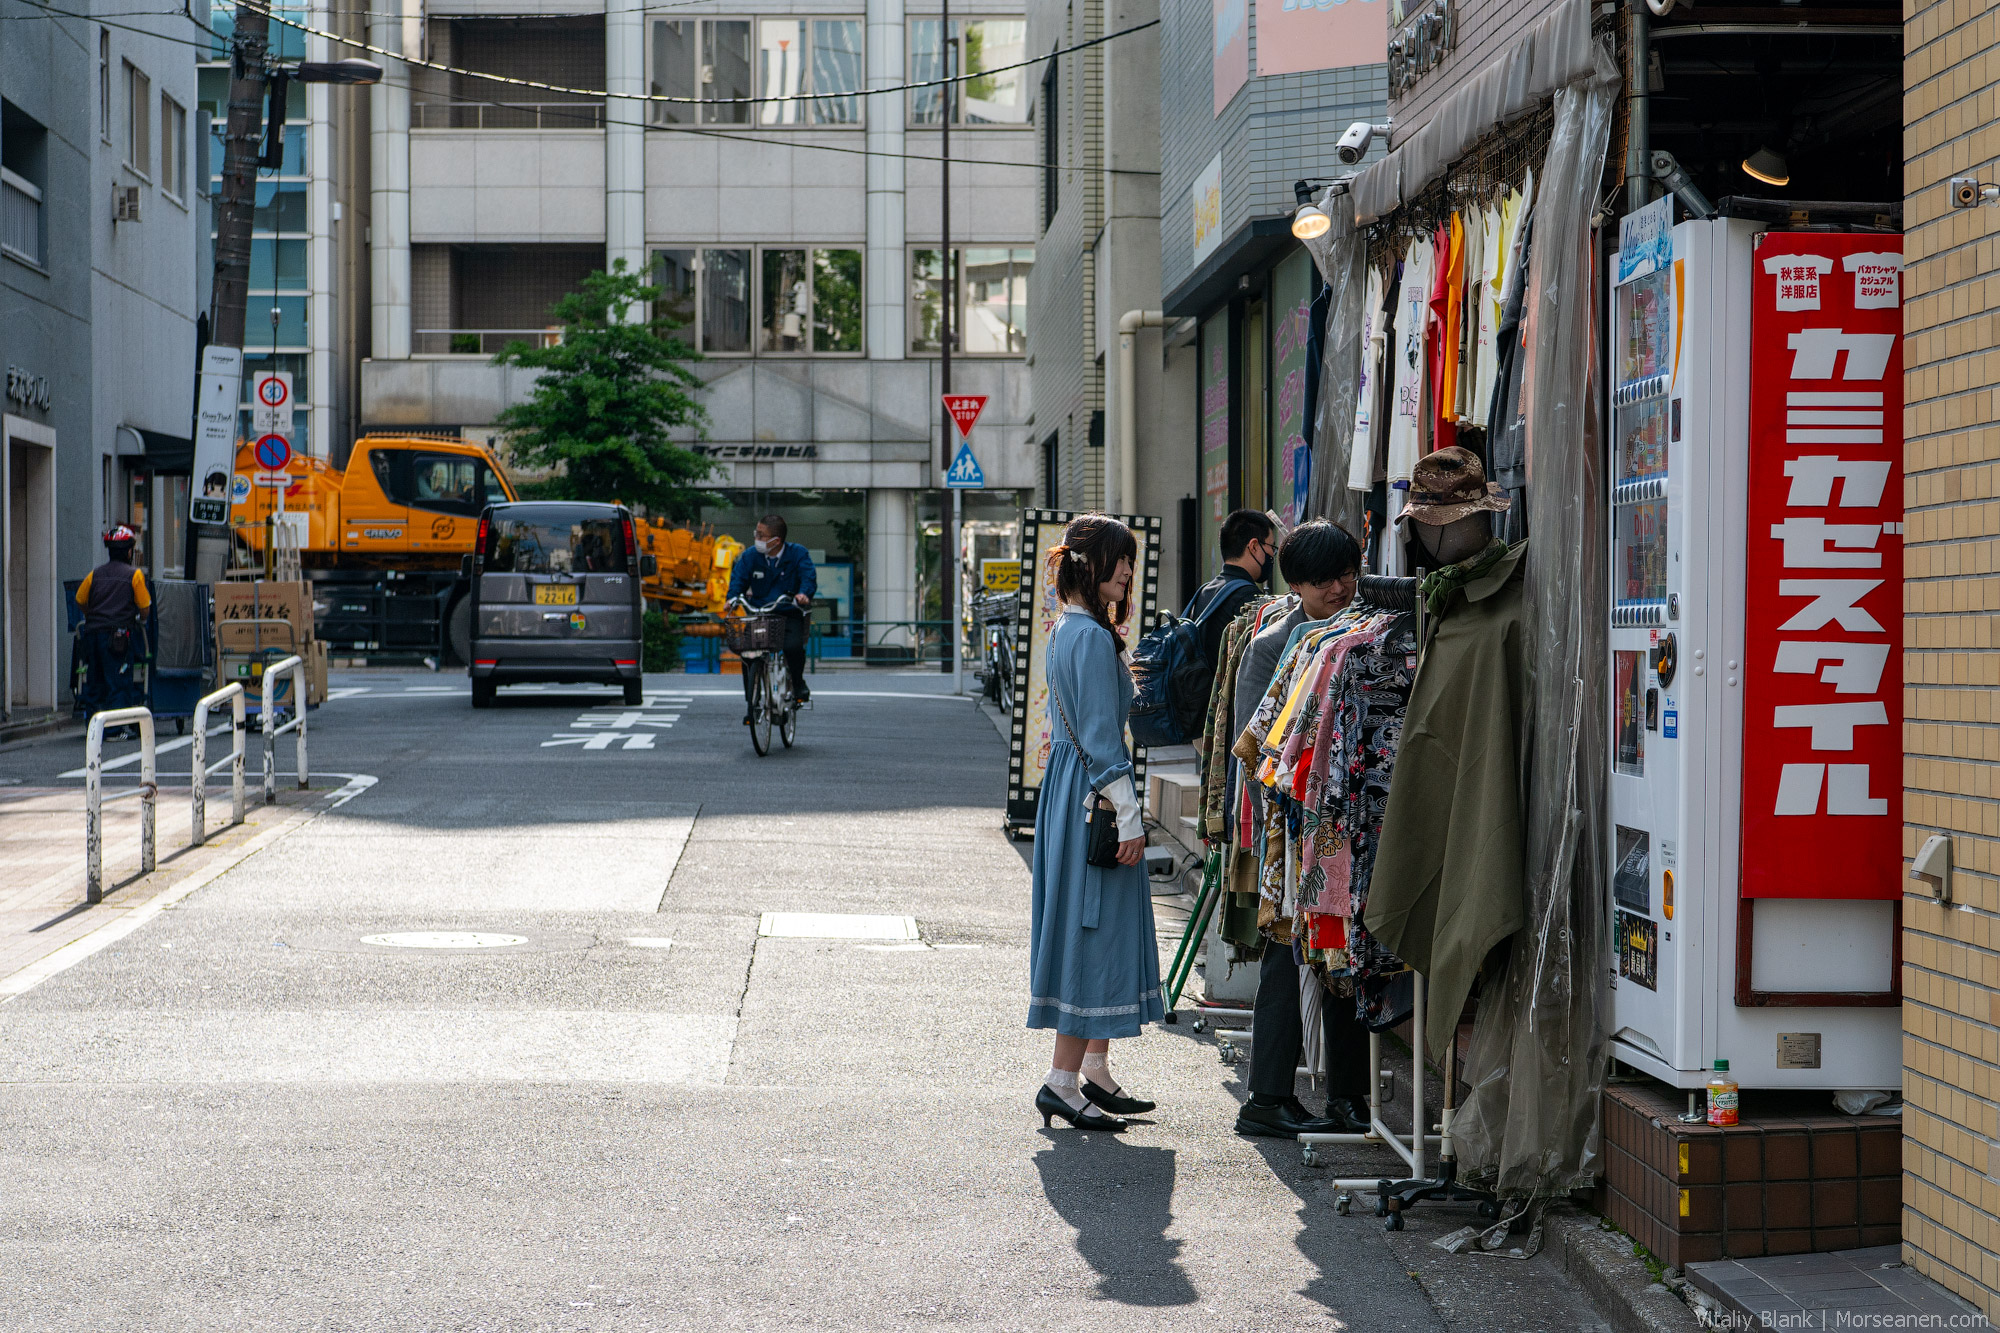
{"points": [[1321, 562]]}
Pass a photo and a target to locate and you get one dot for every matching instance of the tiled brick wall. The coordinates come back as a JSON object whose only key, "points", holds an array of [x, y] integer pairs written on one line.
{"points": [[1951, 971]]}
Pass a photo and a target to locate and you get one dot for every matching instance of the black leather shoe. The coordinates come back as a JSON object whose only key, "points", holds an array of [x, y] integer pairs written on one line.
{"points": [[1052, 1106], [1285, 1119], [1352, 1116], [1116, 1102]]}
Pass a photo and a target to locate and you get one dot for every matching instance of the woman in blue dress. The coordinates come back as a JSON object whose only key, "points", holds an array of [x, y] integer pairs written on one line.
{"points": [[1094, 968]]}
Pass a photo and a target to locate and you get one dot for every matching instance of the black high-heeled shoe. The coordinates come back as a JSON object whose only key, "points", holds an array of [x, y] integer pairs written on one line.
{"points": [[1051, 1106], [1116, 1102]]}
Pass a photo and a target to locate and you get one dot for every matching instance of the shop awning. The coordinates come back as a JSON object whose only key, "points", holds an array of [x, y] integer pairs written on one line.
{"points": [[1552, 54], [167, 453]]}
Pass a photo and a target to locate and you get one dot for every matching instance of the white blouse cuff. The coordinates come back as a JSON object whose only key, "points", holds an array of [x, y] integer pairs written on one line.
{"points": [[1131, 824]]}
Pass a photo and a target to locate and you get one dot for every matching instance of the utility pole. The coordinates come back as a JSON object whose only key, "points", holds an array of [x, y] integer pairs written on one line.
{"points": [[235, 209], [951, 523]]}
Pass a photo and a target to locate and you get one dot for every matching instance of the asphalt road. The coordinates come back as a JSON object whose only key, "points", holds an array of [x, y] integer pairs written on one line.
{"points": [[624, 1108]]}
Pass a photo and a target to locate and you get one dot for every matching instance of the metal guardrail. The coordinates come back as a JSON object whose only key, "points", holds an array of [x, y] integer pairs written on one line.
{"points": [[93, 795], [579, 114], [233, 692], [923, 642], [296, 665]]}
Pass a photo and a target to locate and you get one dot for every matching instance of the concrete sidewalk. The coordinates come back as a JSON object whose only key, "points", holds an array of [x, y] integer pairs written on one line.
{"points": [[42, 871]]}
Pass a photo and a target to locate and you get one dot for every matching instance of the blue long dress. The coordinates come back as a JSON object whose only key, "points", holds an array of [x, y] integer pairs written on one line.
{"points": [[1093, 965]]}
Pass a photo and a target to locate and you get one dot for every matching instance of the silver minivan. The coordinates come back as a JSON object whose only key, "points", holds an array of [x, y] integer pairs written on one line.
{"points": [[556, 597]]}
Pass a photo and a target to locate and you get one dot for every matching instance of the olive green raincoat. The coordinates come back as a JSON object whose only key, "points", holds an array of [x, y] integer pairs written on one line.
{"points": [[1448, 875]]}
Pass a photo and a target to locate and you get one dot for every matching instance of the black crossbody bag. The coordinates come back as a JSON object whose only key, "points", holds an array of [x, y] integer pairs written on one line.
{"points": [[1101, 846]]}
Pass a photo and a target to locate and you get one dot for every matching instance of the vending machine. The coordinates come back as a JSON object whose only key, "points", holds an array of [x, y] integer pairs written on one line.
{"points": [[1756, 617]]}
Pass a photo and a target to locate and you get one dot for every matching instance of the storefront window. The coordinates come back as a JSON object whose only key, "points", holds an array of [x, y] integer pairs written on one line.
{"points": [[1214, 429]]}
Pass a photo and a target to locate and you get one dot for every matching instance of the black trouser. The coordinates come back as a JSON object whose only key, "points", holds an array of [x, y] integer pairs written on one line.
{"points": [[1280, 1034], [795, 657], [108, 682]]}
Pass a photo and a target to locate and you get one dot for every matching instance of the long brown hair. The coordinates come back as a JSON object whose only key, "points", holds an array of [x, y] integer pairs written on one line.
{"points": [[1086, 557]]}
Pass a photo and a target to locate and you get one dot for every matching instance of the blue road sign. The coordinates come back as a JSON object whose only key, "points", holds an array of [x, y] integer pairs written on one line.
{"points": [[964, 473]]}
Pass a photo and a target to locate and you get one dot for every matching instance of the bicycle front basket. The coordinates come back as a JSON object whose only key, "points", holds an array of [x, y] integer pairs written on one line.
{"points": [[754, 634]]}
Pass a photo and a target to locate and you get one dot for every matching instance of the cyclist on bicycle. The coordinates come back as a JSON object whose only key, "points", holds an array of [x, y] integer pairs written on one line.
{"points": [[775, 570]]}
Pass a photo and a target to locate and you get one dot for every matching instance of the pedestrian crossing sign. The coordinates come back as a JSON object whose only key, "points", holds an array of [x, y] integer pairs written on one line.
{"points": [[964, 473]]}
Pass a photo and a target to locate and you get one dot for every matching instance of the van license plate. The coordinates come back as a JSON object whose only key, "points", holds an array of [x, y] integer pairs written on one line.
{"points": [[555, 594]]}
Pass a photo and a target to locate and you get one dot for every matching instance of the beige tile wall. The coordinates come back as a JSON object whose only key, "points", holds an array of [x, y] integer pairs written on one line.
{"points": [[1951, 968]]}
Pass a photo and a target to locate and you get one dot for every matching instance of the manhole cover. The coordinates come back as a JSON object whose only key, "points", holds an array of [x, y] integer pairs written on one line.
{"points": [[837, 926], [444, 939]]}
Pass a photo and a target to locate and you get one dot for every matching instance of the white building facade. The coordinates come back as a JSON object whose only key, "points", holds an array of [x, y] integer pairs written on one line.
{"points": [[796, 241]]}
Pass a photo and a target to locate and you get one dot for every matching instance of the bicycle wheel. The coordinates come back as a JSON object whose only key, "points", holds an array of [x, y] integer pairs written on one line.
{"points": [[787, 707], [760, 705]]}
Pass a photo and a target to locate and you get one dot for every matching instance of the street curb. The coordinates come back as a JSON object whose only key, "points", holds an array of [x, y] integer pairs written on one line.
{"points": [[1602, 1264], [20, 982]]}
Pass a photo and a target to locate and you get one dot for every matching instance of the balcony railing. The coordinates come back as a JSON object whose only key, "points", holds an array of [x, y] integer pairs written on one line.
{"points": [[578, 115], [20, 218], [477, 342]]}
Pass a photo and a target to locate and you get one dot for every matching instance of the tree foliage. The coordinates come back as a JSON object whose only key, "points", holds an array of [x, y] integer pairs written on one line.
{"points": [[609, 397]]}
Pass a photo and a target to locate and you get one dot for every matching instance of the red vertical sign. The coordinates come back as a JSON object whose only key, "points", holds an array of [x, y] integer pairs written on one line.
{"points": [[1822, 683]]}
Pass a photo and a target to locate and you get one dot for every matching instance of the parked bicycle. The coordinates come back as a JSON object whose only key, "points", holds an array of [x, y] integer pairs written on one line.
{"points": [[757, 635], [995, 614]]}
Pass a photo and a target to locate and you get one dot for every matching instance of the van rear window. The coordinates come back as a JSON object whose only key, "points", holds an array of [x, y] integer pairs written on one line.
{"points": [[555, 544]]}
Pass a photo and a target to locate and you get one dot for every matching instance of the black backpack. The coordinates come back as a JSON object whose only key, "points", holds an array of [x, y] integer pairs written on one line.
{"points": [[1172, 677]]}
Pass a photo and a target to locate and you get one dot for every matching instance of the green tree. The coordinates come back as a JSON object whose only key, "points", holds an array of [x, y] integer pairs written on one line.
{"points": [[610, 393]]}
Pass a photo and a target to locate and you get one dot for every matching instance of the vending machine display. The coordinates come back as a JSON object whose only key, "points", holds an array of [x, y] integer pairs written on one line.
{"points": [[1755, 593]]}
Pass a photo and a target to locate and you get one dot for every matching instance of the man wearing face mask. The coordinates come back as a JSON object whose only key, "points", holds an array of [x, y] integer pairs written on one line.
{"points": [[1248, 547], [772, 569]]}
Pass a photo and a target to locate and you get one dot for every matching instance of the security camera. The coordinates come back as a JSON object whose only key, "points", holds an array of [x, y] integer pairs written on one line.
{"points": [[1967, 192], [1353, 145]]}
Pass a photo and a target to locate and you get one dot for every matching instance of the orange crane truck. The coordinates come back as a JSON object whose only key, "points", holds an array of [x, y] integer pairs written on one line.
{"points": [[385, 541]]}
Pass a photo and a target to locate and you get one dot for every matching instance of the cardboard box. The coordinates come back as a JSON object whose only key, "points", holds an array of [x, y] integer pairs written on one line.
{"points": [[316, 663], [244, 613]]}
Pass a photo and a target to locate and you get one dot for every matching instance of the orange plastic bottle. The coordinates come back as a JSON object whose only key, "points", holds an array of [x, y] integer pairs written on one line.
{"points": [[1722, 1096]]}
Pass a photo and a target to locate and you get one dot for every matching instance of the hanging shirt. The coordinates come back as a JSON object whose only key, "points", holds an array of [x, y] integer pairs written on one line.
{"points": [[1486, 284], [1468, 322], [1412, 312], [1450, 243], [1374, 337]]}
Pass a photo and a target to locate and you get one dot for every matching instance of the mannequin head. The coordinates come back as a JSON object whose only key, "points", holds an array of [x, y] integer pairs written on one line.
{"points": [[1451, 507], [1448, 543]]}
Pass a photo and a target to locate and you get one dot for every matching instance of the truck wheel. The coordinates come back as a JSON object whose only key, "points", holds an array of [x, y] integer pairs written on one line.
{"points": [[482, 693], [458, 632]]}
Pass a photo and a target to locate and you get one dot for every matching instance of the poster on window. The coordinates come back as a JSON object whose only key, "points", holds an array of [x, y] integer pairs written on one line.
{"points": [[1822, 686], [1029, 730]]}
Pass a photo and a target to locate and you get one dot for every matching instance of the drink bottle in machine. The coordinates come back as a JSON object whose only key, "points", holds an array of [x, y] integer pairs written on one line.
{"points": [[1756, 617]]}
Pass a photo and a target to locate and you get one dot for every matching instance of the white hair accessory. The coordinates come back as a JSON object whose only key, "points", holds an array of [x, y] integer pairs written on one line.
{"points": [[1079, 557]]}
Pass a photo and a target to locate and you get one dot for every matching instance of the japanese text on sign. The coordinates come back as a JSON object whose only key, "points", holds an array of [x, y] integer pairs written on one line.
{"points": [[1822, 722]]}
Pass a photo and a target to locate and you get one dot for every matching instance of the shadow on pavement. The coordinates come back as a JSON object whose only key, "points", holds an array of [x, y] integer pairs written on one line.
{"points": [[1119, 1197]]}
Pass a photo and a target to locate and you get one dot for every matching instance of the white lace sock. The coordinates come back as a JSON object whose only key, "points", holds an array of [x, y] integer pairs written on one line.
{"points": [[1062, 1083], [1097, 1068]]}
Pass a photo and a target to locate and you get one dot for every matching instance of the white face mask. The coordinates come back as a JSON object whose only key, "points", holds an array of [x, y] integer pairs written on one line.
{"points": [[771, 547]]}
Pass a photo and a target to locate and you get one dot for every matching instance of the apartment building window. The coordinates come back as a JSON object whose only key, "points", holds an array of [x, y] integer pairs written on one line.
{"points": [[138, 120], [24, 145], [983, 44], [173, 148], [767, 300], [104, 84], [721, 59], [990, 312], [1051, 114], [567, 52]]}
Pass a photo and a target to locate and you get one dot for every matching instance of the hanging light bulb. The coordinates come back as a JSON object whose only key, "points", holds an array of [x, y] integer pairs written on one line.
{"points": [[1310, 221], [1767, 166]]}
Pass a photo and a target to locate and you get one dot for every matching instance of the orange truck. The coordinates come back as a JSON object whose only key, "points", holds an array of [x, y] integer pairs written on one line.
{"points": [[384, 541]]}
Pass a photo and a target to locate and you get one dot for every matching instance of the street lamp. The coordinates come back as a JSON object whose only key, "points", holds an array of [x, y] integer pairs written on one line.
{"points": [[1310, 221]]}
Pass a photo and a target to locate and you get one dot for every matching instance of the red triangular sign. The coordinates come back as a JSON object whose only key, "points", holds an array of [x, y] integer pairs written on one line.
{"points": [[965, 409]]}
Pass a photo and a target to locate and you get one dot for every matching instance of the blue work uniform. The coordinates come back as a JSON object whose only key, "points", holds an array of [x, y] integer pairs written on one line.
{"points": [[763, 579]]}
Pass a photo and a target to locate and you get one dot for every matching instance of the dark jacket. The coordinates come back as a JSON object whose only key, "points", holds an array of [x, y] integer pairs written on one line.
{"points": [[1448, 870], [764, 579], [113, 596], [1235, 589]]}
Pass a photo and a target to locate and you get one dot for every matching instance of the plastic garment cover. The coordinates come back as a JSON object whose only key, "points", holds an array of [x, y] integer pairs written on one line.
{"points": [[1342, 256], [1537, 1060]]}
